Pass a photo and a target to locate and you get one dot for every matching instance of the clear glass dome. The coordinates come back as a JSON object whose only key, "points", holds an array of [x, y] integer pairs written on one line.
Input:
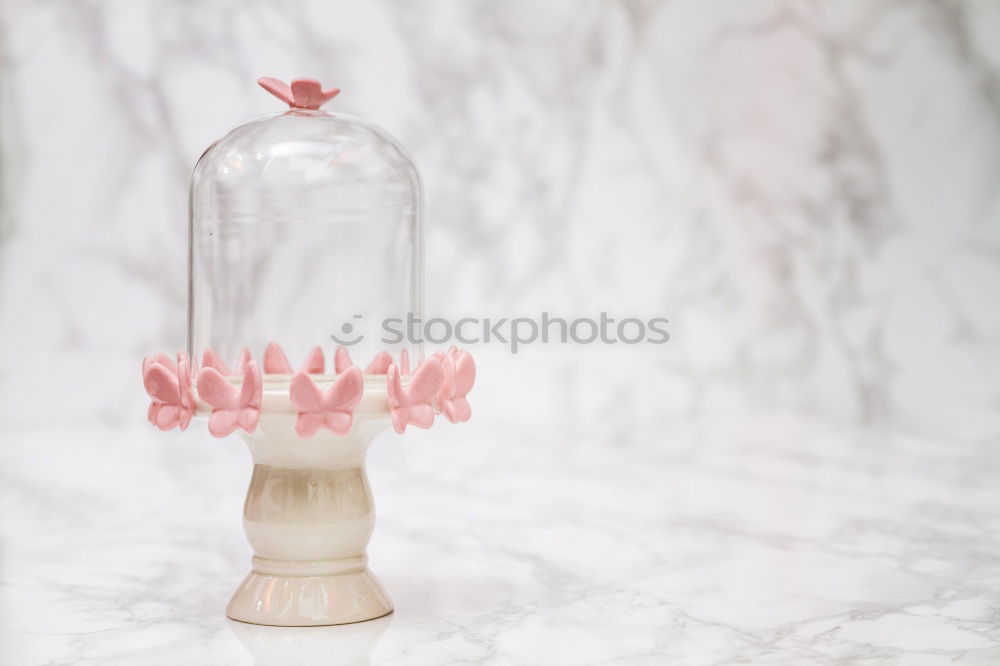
{"points": [[305, 230]]}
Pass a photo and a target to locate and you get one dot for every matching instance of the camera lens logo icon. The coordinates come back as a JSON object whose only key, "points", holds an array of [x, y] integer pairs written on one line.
{"points": [[347, 329]]}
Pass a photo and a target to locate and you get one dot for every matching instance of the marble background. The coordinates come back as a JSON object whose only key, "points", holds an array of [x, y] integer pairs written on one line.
{"points": [[805, 473], [807, 190]]}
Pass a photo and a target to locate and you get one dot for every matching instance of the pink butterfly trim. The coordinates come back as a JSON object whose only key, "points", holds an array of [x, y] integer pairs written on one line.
{"points": [[209, 359], [342, 360], [169, 387], [412, 404], [232, 407], [459, 377], [380, 364], [302, 94], [334, 410], [275, 361]]}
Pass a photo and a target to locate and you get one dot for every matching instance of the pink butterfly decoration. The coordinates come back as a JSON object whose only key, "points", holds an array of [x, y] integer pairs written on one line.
{"points": [[380, 364], [209, 359], [232, 407], [334, 410], [412, 404], [342, 360], [459, 376], [275, 361], [169, 387], [302, 94]]}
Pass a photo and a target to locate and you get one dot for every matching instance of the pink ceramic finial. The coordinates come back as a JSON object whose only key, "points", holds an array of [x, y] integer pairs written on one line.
{"points": [[302, 94]]}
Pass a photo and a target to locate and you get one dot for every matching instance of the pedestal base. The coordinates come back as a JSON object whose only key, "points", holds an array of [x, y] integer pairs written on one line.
{"points": [[308, 601], [309, 515]]}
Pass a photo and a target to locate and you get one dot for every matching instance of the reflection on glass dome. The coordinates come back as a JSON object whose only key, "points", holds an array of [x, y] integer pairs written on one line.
{"points": [[303, 224]]}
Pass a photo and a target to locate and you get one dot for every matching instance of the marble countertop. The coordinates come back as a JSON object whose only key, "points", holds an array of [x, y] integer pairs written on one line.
{"points": [[806, 190], [765, 540]]}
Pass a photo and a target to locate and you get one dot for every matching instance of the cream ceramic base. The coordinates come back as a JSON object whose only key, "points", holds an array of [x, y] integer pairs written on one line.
{"points": [[309, 601], [309, 515]]}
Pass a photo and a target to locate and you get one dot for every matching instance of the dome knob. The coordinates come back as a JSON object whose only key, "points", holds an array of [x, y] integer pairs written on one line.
{"points": [[302, 94]]}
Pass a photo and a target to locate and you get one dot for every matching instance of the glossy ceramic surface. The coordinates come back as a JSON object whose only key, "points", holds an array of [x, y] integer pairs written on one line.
{"points": [[309, 514]]}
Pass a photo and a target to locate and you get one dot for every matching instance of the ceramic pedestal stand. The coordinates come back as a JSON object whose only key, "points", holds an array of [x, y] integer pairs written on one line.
{"points": [[309, 515], [308, 184]]}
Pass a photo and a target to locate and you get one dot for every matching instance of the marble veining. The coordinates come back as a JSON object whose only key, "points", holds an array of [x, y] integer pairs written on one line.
{"points": [[806, 189], [806, 472], [775, 540]]}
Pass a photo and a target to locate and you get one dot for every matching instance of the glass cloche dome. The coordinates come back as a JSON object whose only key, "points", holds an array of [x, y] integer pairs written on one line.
{"points": [[305, 230]]}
